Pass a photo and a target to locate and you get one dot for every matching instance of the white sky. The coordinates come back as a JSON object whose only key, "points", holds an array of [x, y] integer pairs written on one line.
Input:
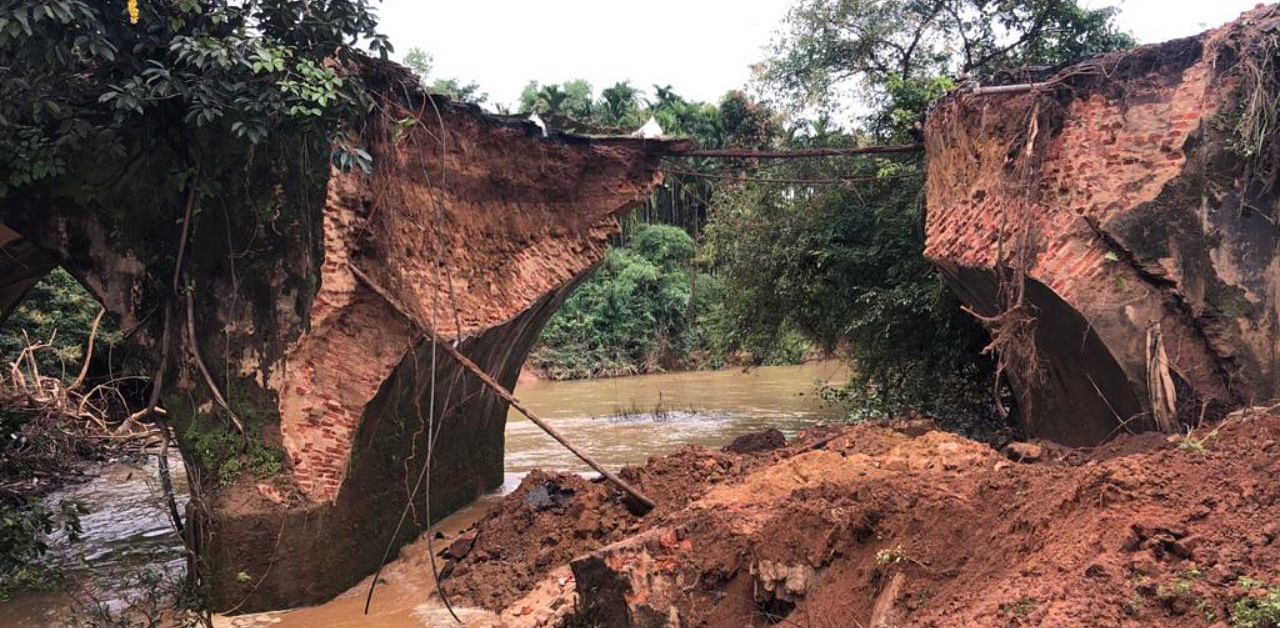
{"points": [[701, 47]]}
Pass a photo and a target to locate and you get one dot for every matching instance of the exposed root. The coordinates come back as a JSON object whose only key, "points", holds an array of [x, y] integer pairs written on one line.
{"points": [[194, 346], [1258, 127]]}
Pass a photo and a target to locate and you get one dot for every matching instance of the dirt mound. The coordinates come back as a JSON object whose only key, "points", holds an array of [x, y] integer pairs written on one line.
{"points": [[754, 442], [880, 528], [554, 517], [900, 525]]}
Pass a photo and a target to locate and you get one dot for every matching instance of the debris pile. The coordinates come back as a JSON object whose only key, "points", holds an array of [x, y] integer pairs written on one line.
{"points": [[892, 525]]}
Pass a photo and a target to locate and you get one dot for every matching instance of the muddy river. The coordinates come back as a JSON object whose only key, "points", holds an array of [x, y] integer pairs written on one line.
{"points": [[620, 421]]}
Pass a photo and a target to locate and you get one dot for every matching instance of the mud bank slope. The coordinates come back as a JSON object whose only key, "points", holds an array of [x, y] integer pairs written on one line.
{"points": [[894, 525]]}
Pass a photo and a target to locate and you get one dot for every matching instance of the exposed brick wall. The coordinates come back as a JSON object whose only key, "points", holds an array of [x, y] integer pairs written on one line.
{"points": [[505, 216], [1118, 147]]}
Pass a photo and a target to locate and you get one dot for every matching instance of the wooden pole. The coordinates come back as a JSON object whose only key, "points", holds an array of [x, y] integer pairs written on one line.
{"points": [[501, 391], [1006, 89], [802, 153]]}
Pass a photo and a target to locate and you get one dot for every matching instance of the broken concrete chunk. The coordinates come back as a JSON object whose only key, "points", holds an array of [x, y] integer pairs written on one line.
{"points": [[630, 584], [789, 583]]}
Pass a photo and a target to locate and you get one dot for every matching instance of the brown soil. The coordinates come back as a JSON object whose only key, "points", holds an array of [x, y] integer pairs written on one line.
{"points": [[521, 540], [899, 526]]}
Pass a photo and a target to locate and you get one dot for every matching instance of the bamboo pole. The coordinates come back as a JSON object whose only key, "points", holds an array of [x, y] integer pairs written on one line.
{"points": [[802, 153], [500, 390], [1006, 89]]}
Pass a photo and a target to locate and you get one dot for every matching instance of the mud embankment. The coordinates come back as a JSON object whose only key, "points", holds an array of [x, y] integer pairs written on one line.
{"points": [[893, 525]]}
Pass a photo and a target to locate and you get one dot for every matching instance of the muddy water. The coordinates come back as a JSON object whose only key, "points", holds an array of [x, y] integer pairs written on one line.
{"points": [[125, 529], [628, 419], [620, 421]]}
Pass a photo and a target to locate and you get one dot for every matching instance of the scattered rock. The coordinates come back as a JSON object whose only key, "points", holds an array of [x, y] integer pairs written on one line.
{"points": [[915, 427], [548, 495], [461, 546], [764, 440], [1023, 452], [786, 582]]}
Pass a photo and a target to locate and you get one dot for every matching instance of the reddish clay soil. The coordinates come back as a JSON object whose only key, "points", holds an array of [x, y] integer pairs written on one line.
{"points": [[898, 525], [555, 517]]}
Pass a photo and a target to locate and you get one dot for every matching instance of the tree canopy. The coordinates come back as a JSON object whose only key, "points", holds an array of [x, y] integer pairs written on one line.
{"points": [[891, 55], [77, 71], [841, 260]]}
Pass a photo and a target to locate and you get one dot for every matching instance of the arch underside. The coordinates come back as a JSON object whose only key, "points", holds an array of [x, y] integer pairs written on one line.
{"points": [[22, 265], [1078, 394]]}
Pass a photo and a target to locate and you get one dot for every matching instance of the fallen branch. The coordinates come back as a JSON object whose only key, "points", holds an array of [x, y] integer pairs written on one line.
{"points": [[88, 353], [501, 391], [730, 177]]}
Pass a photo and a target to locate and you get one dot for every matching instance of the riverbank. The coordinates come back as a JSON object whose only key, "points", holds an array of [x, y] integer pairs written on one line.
{"points": [[896, 525], [531, 372]]}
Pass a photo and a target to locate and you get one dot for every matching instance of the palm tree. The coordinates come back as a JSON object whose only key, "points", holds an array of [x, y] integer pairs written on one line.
{"points": [[619, 100], [551, 98], [665, 97]]}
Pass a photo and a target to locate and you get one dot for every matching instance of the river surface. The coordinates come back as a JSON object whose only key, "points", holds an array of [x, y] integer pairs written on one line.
{"points": [[620, 421]]}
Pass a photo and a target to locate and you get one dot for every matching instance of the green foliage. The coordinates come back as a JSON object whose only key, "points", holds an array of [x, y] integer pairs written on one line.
{"points": [[845, 267], [836, 49], [226, 456], [1022, 607], [1199, 444], [843, 264], [420, 61], [79, 73], [632, 315], [891, 556], [24, 529], [57, 308], [1259, 609]]}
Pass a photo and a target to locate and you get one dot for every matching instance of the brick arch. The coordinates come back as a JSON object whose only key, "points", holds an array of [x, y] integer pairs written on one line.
{"points": [[22, 266], [1081, 394]]}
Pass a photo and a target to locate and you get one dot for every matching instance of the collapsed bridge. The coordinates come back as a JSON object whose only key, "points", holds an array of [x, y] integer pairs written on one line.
{"points": [[1114, 225], [477, 226], [1104, 223]]}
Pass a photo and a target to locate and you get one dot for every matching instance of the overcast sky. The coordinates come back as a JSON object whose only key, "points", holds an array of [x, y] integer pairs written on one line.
{"points": [[701, 47]]}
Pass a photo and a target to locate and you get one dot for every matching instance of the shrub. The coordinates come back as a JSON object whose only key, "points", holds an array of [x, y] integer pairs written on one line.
{"points": [[632, 315]]}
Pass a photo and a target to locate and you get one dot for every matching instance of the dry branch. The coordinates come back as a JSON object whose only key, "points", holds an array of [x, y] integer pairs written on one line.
{"points": [[88, 353]]}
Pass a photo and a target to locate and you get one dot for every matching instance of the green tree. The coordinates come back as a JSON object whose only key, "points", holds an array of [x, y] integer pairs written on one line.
{"points": [[60, 312], [421, 62], [78, 73], [572, 98], [880, 52], [631, 316], [843, 262], [619, 105]]}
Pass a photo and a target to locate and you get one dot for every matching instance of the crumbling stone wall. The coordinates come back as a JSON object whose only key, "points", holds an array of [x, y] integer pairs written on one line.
{"points": [[478, 225], [1112, 196]]}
